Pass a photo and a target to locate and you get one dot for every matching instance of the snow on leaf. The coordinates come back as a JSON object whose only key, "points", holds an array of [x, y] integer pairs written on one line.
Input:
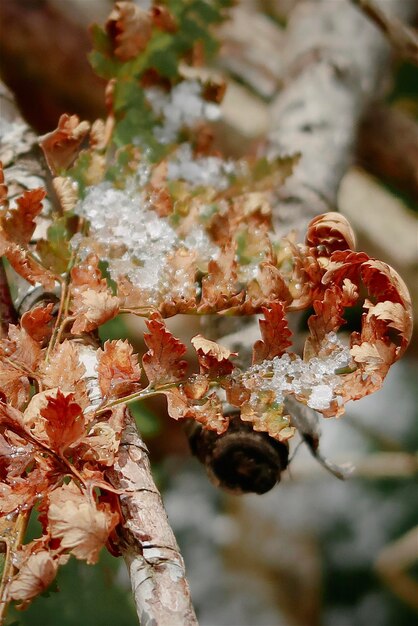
{"points": [[36, 322], [162, 363], [219, 287], [213, 358], [62, 145], [118, 369], [64, 421], [94, 309], [267, 417], [327, 318], [129, 28], [35, 575], [275, 333], [82, 525]]}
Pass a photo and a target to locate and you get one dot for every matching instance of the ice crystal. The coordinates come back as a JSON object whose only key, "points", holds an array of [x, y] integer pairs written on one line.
{"points": [[315, 378], [207, 171], [182, 106], [135, 241]]}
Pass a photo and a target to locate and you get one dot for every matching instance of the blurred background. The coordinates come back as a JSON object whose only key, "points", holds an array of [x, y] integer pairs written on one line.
{"points": [[313, 551]]}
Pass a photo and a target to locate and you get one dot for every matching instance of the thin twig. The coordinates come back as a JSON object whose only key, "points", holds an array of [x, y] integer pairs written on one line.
{"points": [[402, 37], [7, 311]]}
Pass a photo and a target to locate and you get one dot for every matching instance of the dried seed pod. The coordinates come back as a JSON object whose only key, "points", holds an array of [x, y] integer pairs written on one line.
{"points": [[240, 460]]}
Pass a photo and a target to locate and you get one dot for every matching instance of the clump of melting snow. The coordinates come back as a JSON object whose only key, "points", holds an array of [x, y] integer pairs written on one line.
{"points": [[206, 170], [135, 241], [182, 106], [291, 374]]}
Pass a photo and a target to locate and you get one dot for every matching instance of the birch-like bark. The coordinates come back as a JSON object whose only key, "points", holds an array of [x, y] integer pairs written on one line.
{"points": [[155, 565], [335, 60]]}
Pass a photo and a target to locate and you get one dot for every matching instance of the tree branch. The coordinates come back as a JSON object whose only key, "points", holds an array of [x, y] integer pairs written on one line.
{"points": [[7, 310], [387, 147], [335, 61], [401, 36], [149, 547], [150, 550]]}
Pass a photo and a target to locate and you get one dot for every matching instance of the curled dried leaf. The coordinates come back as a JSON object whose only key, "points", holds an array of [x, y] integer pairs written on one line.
{"points": [[213, 358], [330, 232], [36, 322], [67, 192], [62, 145], [129, 28], [28, 267]]}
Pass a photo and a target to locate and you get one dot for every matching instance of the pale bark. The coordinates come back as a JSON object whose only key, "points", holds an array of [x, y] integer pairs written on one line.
{"points": [[155, 565], [335, 62]]}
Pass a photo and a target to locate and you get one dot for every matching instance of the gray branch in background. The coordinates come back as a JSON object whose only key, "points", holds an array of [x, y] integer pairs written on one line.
{"points": [[334, 61]]}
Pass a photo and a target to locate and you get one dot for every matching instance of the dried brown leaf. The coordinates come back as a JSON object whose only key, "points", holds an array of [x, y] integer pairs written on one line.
{"points": [[118, 369], [19, 222], [82, 525], [94, 309], [64, 421], [207, 411], [275, 333], [35, 575], [162, 363], [213, 358], [36, 322], [219, 288], [65, 371], [21, 348], [29, 268], [62, 145], [67, 192], [14, 384], [129, 28], [330, 232]]}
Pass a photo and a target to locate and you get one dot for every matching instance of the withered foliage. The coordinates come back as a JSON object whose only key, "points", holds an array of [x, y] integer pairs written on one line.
{"points": [[63, 398]]}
